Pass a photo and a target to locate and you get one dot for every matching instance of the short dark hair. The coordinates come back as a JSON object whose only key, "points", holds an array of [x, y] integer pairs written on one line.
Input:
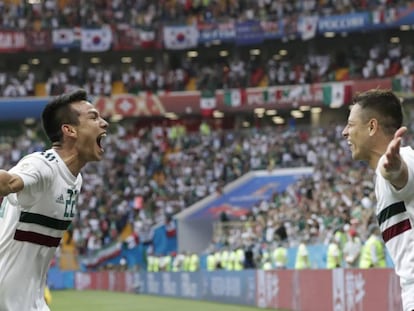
{"points": [[58, 112], [382, 104]]}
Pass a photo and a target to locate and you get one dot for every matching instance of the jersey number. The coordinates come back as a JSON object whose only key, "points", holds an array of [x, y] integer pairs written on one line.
{"points": [[70, 203]]}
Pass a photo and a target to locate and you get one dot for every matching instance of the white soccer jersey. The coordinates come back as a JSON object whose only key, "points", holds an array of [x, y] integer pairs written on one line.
{"points": [[395, 215], [32, 223]]}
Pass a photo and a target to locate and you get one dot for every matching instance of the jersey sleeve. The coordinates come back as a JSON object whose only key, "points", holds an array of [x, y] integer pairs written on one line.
{"points": [[407, 191], [36, 174]]}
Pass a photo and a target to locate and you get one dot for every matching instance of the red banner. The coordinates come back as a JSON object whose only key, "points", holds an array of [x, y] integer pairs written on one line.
{"points": [[327, 290], [280, 97], [126, 38], [38, 40], [105, 280]]}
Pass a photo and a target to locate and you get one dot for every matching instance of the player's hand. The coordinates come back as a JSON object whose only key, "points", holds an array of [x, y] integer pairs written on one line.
{"points": [[392, 159], [392, 165], [10, 183]]}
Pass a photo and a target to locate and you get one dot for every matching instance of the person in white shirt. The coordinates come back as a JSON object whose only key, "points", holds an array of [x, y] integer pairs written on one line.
{"points": [[352, 249], [40, 196], [374, 133]]}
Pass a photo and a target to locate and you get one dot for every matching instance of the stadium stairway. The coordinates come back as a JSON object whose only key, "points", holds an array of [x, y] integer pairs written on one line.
{"points": [[263, 82], [40, 90], [118, 87], [191, 85], [68, 255]]}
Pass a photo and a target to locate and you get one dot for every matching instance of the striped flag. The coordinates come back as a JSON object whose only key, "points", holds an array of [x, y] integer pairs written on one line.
{"points": [[335, 95], [96, 40], [207, 102], [180, 37], [235, 97], [66, 38], [103, 255]]}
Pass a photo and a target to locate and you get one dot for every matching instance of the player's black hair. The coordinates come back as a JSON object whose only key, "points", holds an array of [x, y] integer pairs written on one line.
{"points": [[383, 105], [59, 111]]}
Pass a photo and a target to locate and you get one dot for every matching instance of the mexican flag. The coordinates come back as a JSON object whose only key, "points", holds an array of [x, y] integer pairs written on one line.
{"points": [[147, 37], [292, 92], [234, 97], [207, 102], [266, 96], [282, 93], [108, 252], [335, 95]]}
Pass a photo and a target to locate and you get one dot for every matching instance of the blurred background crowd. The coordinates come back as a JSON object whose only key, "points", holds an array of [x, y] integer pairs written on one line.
{"points": [[238, 67]]}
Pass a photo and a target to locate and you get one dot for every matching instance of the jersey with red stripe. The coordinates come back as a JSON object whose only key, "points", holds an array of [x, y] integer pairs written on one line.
{"points": [[32, 224], [395, 215]]}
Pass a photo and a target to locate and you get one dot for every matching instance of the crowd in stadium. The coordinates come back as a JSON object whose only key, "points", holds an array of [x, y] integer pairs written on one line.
{"points": [[235, 72], [170, 172], [69, 13], [380, 60]]}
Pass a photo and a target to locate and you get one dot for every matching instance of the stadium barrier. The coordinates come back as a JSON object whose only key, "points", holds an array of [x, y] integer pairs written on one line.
{"points": [[299, 290]]}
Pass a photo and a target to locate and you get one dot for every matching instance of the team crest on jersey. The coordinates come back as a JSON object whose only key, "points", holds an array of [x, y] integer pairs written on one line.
{"points": [[60, 199]]}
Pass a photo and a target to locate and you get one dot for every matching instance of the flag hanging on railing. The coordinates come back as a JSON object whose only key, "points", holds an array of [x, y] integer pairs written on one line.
{"points": [[96, 40], [180, 37]]}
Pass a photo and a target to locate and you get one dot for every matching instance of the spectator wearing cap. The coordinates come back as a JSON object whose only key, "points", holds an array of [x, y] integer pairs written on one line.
{"points": [[352, 249]]}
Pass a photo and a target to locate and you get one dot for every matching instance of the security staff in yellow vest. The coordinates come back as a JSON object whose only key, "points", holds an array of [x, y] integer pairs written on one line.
{"points": [[230, 260], [178, 262], [150, 262], [267, 265], [302, 257], [217, 257], [340, 237], [225, 258], [153, 262], [265, 258], [333, 256], [238, 263], [186, 262], [279, 256], [165, 263], [211, 261], [194, 263], [373, 251]]}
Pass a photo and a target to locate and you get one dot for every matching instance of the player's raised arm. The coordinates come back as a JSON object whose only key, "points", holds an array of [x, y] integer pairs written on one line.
{"points": [[9, 183], [392, 165]]}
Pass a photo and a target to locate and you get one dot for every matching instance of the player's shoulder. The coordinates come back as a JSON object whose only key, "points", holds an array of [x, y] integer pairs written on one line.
{"points": [[44, 156], [44, 160]]}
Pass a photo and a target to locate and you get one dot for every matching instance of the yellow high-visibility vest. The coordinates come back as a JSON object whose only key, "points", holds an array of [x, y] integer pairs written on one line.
{"points": [[333, 257], [372, 247], [302, 259]]}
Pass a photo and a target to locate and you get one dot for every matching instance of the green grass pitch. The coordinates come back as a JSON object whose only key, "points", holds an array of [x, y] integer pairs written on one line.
{"points": [[70, 300]]}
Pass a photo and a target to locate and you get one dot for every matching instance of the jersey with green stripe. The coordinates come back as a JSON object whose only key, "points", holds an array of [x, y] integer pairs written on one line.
{"points": [[32, 224]]}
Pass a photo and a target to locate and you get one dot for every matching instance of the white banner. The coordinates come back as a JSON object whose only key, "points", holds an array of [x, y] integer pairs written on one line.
{"points": [[96, 40], [180, 37]]}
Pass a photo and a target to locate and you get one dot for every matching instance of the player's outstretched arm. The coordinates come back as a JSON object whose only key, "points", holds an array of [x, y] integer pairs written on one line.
{"points": [[9, 183], [392, 165]]}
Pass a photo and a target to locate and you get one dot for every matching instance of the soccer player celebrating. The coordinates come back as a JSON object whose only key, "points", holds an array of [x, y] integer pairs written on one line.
{"points": [[39, 198], [374, 132]]}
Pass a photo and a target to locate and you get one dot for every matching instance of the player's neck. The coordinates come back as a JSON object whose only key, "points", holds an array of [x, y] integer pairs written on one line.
{"points": [[70, 158]]}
